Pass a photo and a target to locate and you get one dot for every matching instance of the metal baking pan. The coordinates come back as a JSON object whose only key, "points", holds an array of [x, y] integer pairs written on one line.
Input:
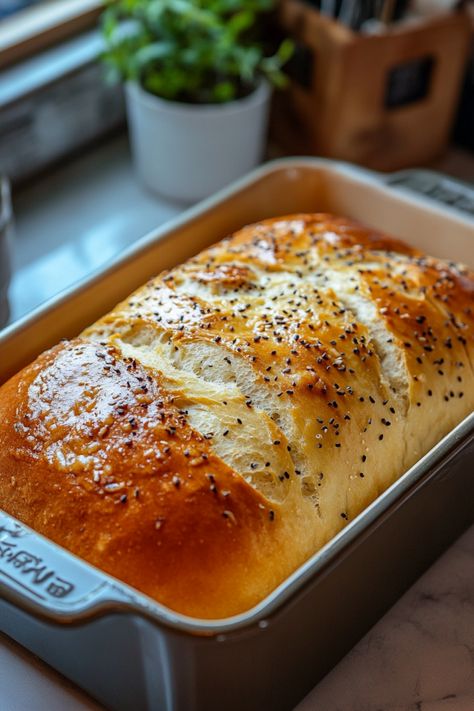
{"points": [[128, 651]]}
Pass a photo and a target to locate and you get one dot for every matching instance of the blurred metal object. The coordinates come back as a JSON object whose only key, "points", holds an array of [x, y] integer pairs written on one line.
{"points": [[428, 8], [369, 16], [387, 12], [328, 7], [347, 12], [6, 221]]}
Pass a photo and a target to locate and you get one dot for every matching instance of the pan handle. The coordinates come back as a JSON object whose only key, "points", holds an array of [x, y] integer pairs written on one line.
{"points": [[452, 192], [40, 577]]}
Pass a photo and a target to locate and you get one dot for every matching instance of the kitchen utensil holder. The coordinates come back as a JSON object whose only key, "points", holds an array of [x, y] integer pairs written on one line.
{"points": [[384, 100]]}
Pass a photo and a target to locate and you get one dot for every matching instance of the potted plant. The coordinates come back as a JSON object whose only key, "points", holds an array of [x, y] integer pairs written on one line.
{"points": [[197, 83]]}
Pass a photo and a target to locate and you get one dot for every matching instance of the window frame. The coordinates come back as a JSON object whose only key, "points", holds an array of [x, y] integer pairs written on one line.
{"points": [[40, 26]]}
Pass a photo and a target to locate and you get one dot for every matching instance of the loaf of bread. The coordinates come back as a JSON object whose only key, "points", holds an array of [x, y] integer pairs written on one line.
{"points": [[230, 417]]}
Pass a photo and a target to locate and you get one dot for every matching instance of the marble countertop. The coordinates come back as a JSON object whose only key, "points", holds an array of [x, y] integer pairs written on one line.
{"points": [[419, 656]]}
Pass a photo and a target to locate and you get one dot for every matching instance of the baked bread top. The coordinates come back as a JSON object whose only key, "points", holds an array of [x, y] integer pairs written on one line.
{"points": [[226, 420]]}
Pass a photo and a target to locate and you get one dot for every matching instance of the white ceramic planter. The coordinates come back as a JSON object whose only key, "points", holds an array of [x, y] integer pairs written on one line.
{"points": [[187, 151]]}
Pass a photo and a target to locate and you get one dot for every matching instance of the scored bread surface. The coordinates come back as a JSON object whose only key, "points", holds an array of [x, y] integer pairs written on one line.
{"points": [[230, 417]]}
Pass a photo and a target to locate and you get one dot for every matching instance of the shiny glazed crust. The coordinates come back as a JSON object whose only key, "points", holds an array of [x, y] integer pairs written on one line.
{"points": [[230, 417]]}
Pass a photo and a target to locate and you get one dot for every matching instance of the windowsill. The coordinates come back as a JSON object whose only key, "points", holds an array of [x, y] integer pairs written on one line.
{"points": [[77, 218]]}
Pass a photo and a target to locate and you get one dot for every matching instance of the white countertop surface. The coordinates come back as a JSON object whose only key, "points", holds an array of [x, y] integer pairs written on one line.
{"points": [[420, 655]]}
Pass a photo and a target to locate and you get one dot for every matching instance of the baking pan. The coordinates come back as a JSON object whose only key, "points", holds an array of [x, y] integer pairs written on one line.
{"points": [[128, 651]]}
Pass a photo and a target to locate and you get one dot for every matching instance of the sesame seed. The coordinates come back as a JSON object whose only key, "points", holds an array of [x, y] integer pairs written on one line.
{"points": [[229, 515]]}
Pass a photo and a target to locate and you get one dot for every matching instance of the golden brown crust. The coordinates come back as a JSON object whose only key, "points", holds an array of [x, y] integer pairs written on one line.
{"points": [[101, 461], [220, 425]]}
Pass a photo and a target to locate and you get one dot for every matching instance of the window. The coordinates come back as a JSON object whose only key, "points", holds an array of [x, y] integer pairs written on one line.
{"points": [[27, 26], [8, 7]]}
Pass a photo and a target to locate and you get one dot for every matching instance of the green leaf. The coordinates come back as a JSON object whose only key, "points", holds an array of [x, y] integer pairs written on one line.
{"points": [[191, 50], [224, 91], [109, 23], [240, 22], [285, 51], [152, 53]]}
